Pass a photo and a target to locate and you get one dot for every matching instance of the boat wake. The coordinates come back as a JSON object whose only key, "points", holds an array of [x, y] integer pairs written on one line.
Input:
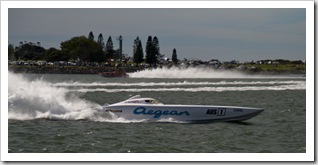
{"points": [[30, 99], [37, 99], [300, 86], [185, 86], [184, 83], [191, 72]]}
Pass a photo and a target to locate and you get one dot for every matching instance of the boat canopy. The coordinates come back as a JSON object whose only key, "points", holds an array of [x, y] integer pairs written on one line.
{"points": [[138, 100]]}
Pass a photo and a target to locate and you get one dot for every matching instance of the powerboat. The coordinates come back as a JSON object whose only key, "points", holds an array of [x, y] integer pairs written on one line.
{"points": [[149, 109]]}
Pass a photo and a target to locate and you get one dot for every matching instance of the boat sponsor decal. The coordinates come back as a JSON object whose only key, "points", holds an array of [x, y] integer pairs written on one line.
{"points": [[216, 111], [158, 113], [113, 110]]}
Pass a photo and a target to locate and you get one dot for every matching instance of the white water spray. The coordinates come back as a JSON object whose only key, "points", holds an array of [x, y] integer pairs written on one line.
{"points": [[184, 83], [38, 99], [300, 86], [190, 72]]}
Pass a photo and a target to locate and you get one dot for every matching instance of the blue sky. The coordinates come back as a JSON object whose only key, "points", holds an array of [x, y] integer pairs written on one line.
{"points": [[213, 33]]}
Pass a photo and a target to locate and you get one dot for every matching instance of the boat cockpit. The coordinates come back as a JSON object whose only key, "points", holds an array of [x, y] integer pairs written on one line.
{"points": [[143, 101], [138, 100]]}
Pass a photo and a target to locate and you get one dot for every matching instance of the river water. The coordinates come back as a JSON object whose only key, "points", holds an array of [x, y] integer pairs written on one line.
{"points": [[54, 113]]}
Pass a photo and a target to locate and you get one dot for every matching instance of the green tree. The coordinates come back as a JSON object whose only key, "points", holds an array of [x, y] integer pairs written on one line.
{"points": [[138, 53], [29, 51], [174, 56], [91, 36], [83, 49], [100, 39], [10, 52], [16, 54], [109, 48], [53, 54], [156, 49], [153, 51], [150, 54]]}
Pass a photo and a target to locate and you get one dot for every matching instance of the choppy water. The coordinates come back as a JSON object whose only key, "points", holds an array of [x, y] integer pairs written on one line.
{"points": [[55, 113]]}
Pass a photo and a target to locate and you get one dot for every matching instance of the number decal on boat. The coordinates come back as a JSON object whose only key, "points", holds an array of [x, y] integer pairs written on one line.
{"points": [[211, 112], [218, 112], [221, 111]]}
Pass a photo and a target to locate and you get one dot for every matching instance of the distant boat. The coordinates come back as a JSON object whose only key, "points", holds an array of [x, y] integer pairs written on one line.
{"points": [[114, 74]]}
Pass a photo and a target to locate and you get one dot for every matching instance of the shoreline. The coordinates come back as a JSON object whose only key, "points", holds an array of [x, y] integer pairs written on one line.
{"points": [[99, 69], [68, 69]]}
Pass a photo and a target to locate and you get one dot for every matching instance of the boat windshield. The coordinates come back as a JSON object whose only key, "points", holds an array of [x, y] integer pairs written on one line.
{"points": [[153, 102]]}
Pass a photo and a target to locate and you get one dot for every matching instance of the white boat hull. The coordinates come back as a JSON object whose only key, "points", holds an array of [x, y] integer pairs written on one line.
{"points": [[186, 113]]}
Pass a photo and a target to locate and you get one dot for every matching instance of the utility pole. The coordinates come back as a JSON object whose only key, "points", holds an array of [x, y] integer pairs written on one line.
{"points": [[120, 48]]}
